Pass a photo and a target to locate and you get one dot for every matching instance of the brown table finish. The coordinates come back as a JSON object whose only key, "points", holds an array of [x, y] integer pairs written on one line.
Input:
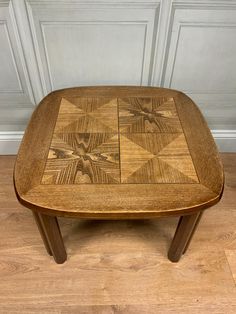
{"points": [[117, 153]]}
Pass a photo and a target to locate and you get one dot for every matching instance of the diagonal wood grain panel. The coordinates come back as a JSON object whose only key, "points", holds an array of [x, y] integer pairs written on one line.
{"points": [[118, 140], [138, 115]]}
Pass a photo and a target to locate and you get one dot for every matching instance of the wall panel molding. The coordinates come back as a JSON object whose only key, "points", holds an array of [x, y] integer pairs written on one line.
{"points": [[43, 25], [16, 94], [199, 57], [116, 15], [51, 44], [168, 9], [24, 93], [3, 24], [24, 39], [184, 24], [205, 4]]}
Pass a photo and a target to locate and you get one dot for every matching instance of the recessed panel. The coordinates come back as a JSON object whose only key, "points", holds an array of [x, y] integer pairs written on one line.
{"points": [[205, 59], [9, 80], [97, 53]]}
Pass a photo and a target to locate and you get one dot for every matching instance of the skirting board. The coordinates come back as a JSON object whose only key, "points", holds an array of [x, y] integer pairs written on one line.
{"points": [[10, 141]]}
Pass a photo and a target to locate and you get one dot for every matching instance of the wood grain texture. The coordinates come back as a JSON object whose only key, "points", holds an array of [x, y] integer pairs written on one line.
{"points": [[42, 232], [201, 144], [76, 158], [119, 201], [182, 237], [31, 161], [117, 266], [83, 149], [123, 147], [53, 234], [231, 257], [141, 115]]}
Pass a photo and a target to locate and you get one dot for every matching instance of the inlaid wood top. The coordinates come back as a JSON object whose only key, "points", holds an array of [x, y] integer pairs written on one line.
{"points": [[118, 140], [120, 152]]}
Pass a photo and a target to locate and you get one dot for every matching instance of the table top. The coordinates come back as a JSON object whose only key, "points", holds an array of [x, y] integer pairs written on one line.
{"points": [[118, 152]]}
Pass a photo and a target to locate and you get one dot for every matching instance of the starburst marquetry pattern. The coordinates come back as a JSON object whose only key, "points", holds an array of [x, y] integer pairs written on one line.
{"points": [[124, 140]]}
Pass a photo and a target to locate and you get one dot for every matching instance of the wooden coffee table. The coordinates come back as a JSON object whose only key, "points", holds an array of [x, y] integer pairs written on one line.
{"points": [[117, 153]]}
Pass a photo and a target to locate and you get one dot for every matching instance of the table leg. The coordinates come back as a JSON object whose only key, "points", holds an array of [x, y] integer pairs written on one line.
{"points": [[42, 233], [193, 232], [51, 234], [183, 235]]}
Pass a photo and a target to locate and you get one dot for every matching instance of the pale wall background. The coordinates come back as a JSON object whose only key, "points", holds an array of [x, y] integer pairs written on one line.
{"points": [[186, 45]]}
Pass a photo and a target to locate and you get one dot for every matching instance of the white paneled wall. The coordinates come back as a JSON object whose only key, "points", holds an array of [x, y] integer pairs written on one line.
{"points": [[78, 44], [16, 97], [186, 45]]}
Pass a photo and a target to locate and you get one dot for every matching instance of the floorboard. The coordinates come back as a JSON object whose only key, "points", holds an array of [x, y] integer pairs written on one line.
{"points": [[117, 266]]}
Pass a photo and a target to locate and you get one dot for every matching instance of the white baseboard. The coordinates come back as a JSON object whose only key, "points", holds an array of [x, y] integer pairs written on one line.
{"points": [[10, 141], [225, 140]]}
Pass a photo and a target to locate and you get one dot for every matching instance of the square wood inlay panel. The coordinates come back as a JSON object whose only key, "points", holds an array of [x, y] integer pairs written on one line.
{"points": [[118, 140]]}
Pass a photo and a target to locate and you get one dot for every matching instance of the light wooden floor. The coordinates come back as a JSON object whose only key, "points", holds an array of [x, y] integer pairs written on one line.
{"points": [[118, 266]]}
